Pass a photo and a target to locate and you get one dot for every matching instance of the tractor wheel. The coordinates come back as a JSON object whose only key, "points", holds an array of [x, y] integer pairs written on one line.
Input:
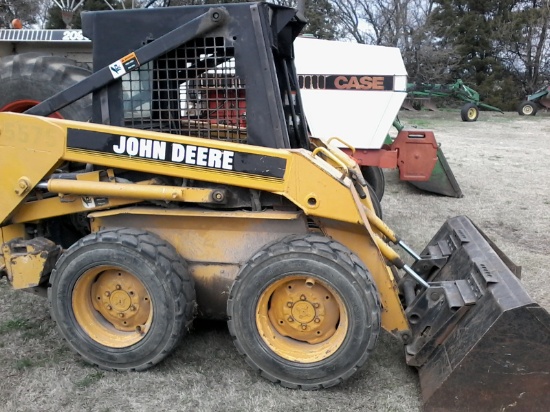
{"points": [[122, 298], [527, 108], [375, 202], [304, 312], [375, 177], [469, 112], [29, 78]]}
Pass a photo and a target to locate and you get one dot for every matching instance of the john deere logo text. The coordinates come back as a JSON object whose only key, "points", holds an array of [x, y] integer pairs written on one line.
{"points": [[174, 152], [345, 82]]}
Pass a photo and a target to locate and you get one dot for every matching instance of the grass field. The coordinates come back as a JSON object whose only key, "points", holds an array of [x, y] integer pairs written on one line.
{"points": [[501, 164]]}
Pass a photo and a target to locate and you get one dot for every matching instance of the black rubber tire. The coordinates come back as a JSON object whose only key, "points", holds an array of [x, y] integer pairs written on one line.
{"points": [[157, 265], [527, 108], [375, 177], [34, 76], [469, 112], [328, 261], [375, 202]]}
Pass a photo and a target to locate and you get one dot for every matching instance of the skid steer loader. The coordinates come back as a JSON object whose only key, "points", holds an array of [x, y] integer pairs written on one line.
{"points": [[196, 191]]}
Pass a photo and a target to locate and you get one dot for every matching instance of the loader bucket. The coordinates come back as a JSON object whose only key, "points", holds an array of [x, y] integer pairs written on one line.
{"points": [[480, 343], [442, 180]]}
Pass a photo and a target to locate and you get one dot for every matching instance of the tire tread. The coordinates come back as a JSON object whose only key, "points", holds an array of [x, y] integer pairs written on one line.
{"points": [[317, 245], [173, 273]]}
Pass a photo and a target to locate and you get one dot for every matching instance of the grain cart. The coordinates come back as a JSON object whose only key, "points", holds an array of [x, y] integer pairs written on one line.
{"points": [[162, 209]]}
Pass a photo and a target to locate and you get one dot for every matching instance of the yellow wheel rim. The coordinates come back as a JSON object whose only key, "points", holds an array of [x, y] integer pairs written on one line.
{"points": [[112, 306], [472, 113], [302, 319]]}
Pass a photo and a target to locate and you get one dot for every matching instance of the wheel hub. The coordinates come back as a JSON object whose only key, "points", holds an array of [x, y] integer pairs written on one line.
{"points": [[112, 306], [122, 300], [303, 310]]}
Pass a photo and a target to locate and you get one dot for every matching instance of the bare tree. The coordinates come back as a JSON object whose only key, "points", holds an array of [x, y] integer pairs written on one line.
{"points": [[524, 43], [24, 10], [398, 23], [382, 22]]}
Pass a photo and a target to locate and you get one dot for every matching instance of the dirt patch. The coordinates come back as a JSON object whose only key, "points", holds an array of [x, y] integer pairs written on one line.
{"points": [[500, 162]]}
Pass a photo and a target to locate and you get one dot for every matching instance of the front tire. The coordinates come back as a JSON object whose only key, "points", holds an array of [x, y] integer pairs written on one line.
{"points": [[122, 299], [304, 312]]}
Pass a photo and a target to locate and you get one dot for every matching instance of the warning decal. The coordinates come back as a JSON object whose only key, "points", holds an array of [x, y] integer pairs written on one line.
{"points": [[124, 65]]}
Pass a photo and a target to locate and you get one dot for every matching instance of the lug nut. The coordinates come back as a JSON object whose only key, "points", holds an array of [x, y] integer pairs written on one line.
{"points": [[107, 294], [121, 315], [132, 308], [315, 305], [118, 287], [290, 319], [109, 307], [317, 320], [304, 327], [289, 304], [303, 297]]}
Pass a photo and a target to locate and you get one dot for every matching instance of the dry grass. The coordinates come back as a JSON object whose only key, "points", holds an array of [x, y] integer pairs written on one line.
{"points": [[500, 163]]}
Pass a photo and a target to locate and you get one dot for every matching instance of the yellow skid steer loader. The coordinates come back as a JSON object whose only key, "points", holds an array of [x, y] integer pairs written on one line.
{"points": [[195, 190]]}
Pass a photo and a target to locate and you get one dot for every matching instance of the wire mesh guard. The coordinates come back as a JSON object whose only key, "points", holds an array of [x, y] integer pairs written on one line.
{"points": [[192, 90]]}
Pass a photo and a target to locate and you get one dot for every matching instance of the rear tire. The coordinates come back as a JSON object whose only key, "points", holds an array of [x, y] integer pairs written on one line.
{"points": [[29, 78], [469, 112], [527, 108], [304, 312], [375, 202], [122, 299], [375, 177]]}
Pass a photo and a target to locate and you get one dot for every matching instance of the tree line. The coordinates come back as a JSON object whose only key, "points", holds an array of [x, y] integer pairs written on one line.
{"points": [[498, 47]]}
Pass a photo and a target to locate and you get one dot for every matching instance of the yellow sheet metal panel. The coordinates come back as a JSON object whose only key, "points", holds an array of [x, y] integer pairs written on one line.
{"points": [[12, 232], [212, 285], [204, 236], [30, 148]]}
